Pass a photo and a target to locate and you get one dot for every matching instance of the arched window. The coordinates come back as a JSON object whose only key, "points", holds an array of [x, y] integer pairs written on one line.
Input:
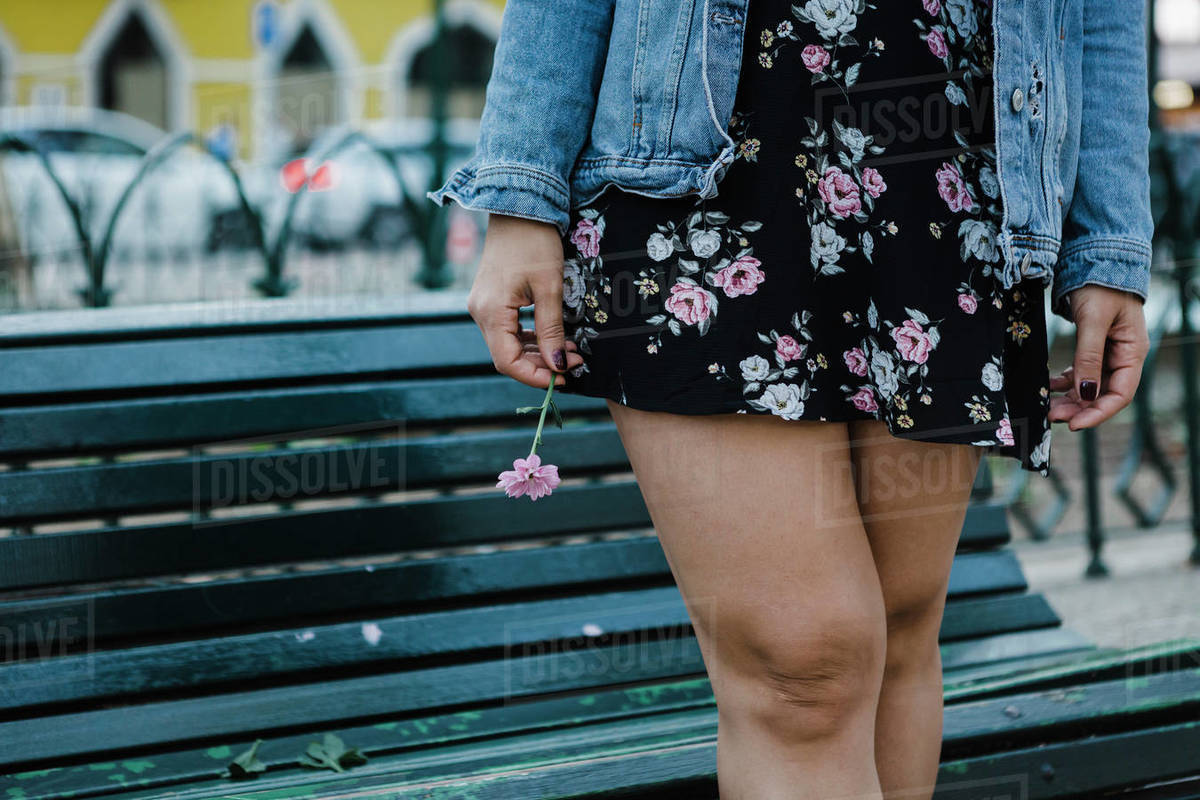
{"points": [[308, 100], [133, 74], [468, 54]]}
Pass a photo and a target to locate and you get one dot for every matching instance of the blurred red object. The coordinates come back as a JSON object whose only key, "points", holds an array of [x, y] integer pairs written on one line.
{"points": [[297, 173]]}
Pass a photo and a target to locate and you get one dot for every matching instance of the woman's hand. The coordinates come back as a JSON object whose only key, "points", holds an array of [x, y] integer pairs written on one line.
{"points": [[1110, 345], [522, 263]]}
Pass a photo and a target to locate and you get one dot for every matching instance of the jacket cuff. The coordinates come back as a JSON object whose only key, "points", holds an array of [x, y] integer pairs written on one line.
{"points": [[1104, 261], [518, 190]]}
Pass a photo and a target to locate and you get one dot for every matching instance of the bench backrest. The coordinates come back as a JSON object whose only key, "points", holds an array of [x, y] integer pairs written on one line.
{"points": [[198, 509]]}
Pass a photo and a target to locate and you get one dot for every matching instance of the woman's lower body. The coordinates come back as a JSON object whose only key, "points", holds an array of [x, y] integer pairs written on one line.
{"points": [[805, 371]]}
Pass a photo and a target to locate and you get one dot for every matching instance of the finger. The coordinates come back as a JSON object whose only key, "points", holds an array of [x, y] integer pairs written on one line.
{"points": [[1118, 393], [1091, 335], [1062, 409], [501, 329], [529, 337], [548, 318]]}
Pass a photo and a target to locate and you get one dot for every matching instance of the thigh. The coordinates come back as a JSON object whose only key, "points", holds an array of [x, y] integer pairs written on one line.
{"points": [[912, 497], [758, 521]]}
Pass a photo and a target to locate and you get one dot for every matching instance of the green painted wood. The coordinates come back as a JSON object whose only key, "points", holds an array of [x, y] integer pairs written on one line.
{"points": [[1100, 664], [1074, 711], [484, 729], [206, 765], [324, 649], [258, 359], [255, 315], [183, 419], [449, 521], [221, 606], [1003, 654], [39, 741], [493, 631], [294, 474]]}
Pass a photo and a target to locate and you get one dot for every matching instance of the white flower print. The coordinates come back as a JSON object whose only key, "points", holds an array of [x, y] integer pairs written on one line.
{"points": [[962, 14], [704, 242], [658, 247], [979, 240], [883, 373], [755, 368], [992, 377], [782, 399], [832, 17]]}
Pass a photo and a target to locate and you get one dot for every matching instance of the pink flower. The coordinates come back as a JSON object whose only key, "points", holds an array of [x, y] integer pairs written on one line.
{"points": [[873, 182], [864, 400], [586, 237], [967, 302], [741, 277], [1004, 433], [529, 476], [856, 360], [788, 348], [953, 189], [934, 7], [815, 57], [937, 43], [840, 193], [689, 303], [912, 341]]}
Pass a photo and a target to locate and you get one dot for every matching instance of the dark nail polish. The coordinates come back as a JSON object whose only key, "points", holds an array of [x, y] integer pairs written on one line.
{"points": [[1087, 390], [560, 359]]}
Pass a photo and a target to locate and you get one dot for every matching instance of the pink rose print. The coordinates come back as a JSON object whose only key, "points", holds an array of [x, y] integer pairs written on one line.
{"points": [[953, 189], [788, 348], [690, 304], [840, 193], [937, 43], [1004, 433], [873, 182], [741, 277], [912, 341], [968, 303], [856, 361], [586, 237], [864, 400], [934, 7], [815, 57]]}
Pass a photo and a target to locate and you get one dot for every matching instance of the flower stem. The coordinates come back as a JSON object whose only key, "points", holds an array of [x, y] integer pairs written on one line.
{"points": [[537, 437]]}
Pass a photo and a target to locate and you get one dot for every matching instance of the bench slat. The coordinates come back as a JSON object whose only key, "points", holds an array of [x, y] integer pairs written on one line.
{"points": [[257, 359], [219, 417], [627, 616], [389, 741], [41, 624], [337, 702], [186, 547], [294, 474]]}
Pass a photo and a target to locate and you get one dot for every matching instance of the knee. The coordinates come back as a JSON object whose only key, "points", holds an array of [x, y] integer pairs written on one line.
{"points": [[913, 626], [804, 680]]}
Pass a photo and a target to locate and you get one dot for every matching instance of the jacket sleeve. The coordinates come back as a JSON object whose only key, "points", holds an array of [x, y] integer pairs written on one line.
{"points": [[538, 110], [1109, 226]]}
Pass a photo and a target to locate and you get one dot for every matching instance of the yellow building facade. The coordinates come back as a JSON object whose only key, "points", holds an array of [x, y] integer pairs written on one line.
{"points": [[265, 68]]}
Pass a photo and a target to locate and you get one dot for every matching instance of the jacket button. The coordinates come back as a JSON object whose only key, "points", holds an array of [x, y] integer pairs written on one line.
{"points": [[1018, 99], [1026, 260]]}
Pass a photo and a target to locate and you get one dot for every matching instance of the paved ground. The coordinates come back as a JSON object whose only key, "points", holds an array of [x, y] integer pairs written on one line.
{"points": [[1151, 595]]}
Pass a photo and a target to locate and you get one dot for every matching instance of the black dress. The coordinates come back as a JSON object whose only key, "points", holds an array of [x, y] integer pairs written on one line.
{"points": [[848, 268]]}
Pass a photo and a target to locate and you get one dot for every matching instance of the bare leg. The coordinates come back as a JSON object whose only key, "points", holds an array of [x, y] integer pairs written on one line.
{"points": [[782, 591], [913, 498]]}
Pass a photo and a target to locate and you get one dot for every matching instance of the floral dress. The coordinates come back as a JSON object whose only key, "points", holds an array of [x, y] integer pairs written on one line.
{"points": [[849, 266]]}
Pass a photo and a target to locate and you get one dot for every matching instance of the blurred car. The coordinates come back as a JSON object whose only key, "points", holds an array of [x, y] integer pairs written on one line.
{"points": [[356, 202], [96, 154]]}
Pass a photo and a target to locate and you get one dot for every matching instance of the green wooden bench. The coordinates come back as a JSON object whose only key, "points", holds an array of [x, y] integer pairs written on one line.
{"points": [[280, 522]]}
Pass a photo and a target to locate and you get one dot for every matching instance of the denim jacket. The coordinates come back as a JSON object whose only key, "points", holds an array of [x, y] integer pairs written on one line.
{"points": [[638, 93]]}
